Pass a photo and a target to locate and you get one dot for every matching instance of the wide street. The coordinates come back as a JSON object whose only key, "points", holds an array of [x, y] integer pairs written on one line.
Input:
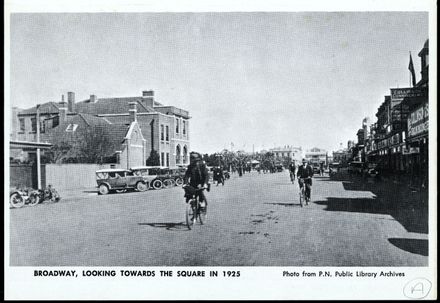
{"points": [[255, 220]]}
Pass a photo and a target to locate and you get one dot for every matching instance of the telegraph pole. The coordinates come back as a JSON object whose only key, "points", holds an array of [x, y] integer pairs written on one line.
{"points": [[38, 148]]}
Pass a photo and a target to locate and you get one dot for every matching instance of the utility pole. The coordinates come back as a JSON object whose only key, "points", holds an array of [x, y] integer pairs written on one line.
{"points": [[38, 149]]}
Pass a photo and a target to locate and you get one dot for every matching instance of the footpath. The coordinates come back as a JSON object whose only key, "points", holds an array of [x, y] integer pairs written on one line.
{"points": [[406, 205]]}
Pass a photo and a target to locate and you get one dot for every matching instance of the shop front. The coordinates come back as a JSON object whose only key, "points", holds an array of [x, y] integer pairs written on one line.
{"points": [[417, 143]]}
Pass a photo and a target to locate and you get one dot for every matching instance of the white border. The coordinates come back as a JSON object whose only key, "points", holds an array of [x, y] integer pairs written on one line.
{"points": [[255, 282]]}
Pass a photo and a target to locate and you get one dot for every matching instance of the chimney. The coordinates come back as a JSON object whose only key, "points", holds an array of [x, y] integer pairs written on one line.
{"points": [[71, 101], [133, 111], [63, 114], [63, 103], [93, 99], [148, 97]]}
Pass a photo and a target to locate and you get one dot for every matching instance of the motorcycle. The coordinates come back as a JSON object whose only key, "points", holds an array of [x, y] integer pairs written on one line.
{"points": [[19, 197], [48, 194]]}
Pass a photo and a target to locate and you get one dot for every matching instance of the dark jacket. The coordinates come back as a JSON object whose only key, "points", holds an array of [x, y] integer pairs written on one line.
{"points": [[196, 174], [292, 167], [305, 172]]}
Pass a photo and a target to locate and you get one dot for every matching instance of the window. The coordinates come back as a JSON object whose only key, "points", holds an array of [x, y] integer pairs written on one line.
{"points": [[185, 154], [168, 159], [161, 132], [22, 126], [56, 121], [177, 125], [178, 154], [42, 127], [184, 127], [34, 124], [167, 133], [162, 159], [71, 128]]}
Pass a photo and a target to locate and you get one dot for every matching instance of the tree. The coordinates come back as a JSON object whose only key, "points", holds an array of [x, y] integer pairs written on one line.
{"points": [[58, 152], [154, 159], [94, 145]]}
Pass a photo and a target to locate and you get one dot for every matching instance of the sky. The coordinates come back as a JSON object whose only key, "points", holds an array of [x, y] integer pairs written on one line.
{"points": [[254, 79]]}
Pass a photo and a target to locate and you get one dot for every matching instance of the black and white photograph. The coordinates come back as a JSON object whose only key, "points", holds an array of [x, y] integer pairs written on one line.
{"points": [[153, 149]]}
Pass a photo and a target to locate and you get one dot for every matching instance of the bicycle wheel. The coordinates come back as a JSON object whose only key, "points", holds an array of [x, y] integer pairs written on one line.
{"points": [[190, 215], [301, 197], [202, 214]]}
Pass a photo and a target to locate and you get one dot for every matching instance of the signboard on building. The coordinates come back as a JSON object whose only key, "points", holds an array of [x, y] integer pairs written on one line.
{"points": [[418, 122], [410, 150], [400, 93]]}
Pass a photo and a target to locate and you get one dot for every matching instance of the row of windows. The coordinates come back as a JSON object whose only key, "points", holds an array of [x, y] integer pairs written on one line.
{"points": [[43, 124], [178, 123], [165, 157]]}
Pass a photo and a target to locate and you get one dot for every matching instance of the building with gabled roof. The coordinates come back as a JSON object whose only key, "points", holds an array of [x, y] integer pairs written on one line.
{"points": [[164, 129]]}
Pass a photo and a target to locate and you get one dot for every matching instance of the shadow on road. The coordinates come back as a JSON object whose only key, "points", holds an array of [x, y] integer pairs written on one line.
{"points": [[285, 204], [181, 226], [413, 220], [407, 207], [415, 246]]}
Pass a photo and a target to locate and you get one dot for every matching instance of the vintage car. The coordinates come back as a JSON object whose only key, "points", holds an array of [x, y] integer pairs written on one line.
{"points": [[333, 168], [164, 177], [149, 173], [178, 175], [356, 167], [119, 180]]}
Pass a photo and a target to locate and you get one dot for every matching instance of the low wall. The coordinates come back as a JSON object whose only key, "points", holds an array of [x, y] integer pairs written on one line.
{"points": [[72, 176]]}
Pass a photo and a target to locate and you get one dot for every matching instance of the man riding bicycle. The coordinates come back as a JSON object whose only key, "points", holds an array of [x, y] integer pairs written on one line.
{"points": [[305, 174], [197, 176], [292, 170]]}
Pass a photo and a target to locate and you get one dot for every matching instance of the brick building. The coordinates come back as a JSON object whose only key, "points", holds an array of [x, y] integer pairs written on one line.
{"points": [[136, 126]]}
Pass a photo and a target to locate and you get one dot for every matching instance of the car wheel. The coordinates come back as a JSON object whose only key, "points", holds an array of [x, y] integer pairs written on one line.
{"points": [[140, 186], [179, 181], [168, 183], [103, 189], [157, 184]]}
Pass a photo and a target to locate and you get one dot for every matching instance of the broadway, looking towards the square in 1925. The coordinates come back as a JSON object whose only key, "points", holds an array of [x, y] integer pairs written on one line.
{"points": [[96, 180]]}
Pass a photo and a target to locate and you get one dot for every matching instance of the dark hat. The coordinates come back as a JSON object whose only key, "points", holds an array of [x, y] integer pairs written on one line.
{"points": [[195, 155], [304, 160]]}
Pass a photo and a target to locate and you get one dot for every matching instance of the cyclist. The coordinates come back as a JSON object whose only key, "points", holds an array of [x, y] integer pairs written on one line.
{"points": [[292, 170], [305, 174], [218, 175], [197, 176]]}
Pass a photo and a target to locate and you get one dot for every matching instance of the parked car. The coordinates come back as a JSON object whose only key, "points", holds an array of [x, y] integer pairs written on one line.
{"points": [[333, 167], [178, 175], [371, 170], [119, 180], [356, 167], [164, 177], [149, 173], [316, 168]]}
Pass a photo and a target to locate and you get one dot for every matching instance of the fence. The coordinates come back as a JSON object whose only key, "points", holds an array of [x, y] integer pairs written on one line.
{"points": [[72, 176]]}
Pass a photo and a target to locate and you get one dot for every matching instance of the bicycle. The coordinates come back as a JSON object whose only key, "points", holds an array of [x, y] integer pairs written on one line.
{"points": [[194, 209], [302, 194], [292, 177]]}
